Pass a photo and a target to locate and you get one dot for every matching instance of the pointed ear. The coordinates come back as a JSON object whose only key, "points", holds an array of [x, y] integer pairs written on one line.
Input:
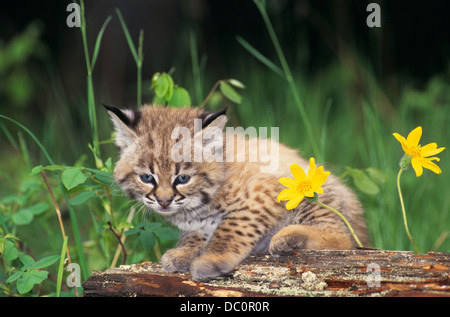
{"points": [[217, 119], [125, 122], [210, 137]]}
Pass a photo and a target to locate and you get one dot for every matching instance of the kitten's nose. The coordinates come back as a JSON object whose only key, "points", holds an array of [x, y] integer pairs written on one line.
{"points": [[165, 202]]}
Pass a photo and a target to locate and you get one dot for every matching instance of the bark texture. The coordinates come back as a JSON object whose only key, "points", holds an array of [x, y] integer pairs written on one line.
{"points": [[307, 273]]}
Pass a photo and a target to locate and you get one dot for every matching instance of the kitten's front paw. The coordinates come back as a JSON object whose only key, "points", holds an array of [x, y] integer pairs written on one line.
{"points": [[210, 266], [286, 241], [176, 260]]}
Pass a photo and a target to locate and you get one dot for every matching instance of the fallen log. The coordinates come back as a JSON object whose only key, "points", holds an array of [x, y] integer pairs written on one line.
{"points": [[355, 273]]}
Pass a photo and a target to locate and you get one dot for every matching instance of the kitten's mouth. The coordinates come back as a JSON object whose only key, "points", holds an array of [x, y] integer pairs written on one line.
{"points": [[164, 211]]}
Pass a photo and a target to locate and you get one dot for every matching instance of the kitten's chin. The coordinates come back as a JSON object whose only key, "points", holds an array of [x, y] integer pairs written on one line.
{"points": [[165, 211], [169, 211]]}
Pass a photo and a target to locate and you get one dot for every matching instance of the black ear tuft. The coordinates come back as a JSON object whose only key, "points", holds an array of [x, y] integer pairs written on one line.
{"points": [[128, 117], [213, 116]]}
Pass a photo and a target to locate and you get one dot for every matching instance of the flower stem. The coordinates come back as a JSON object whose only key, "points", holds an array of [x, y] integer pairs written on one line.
{"points": [[345, 220], [403, 210]]}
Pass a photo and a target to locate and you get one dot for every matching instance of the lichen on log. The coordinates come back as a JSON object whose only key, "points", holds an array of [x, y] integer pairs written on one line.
{"points": [[307, 273]]}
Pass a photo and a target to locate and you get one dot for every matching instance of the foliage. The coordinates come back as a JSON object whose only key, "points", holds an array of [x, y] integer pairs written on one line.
{"points": [[19, 211], [318, 113]]}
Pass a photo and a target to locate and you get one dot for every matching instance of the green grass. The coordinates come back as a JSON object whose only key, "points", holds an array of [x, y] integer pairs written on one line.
{"points": [[344, 115]]}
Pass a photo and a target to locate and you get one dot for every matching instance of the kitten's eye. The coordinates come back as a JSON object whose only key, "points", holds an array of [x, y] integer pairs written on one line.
{"points": [[147, 178], [182, 179]]}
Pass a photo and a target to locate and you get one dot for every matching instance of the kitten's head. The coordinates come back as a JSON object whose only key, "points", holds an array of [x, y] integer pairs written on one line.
{"points": [[158, 165]]}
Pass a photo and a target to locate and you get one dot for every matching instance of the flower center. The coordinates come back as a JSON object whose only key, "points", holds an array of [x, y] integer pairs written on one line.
{"points": [[415, 151], [305, 186]]}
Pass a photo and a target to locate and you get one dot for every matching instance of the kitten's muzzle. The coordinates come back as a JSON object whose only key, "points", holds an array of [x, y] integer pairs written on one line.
{"points": [[164, 202]]}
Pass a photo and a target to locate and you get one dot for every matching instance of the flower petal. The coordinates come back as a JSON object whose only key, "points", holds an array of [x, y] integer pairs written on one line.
{"points": [[291, 204], [399, 138], [287, 194], [312, 167], [417, 166], [431, 166], [318, 190], [298, 172], [402, 141], [288, 182], [414, 137], [320, 177], [431, 149]]}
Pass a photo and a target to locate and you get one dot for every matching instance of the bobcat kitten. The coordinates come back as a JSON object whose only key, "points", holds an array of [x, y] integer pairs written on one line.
{"points": [[225, 209]]}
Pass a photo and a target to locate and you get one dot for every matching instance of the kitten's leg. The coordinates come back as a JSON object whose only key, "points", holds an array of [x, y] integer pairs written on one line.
{"points": [[222, 254], [252, 211], [179, 258], [295, 237], [231, 243]]}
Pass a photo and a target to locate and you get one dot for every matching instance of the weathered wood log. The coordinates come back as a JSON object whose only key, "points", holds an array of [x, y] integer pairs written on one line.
{"points": [[307, 273]]}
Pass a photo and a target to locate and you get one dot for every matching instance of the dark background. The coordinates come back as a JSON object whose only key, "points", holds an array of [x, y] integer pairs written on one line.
{"points": [[413, 39]]}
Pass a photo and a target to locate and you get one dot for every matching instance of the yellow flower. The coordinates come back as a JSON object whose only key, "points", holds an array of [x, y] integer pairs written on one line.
{"points": [[419, 155], [302, 185]]}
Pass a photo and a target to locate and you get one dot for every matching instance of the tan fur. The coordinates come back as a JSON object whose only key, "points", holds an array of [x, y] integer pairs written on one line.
{"points": [[227, 210]]}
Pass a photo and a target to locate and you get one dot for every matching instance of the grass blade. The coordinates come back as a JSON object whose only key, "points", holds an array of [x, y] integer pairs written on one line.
{"points": [[260, 57], [288, 75], [90, 87], [35, 139], [98, 41], [127, 36], [139, 68], [61, 266]]}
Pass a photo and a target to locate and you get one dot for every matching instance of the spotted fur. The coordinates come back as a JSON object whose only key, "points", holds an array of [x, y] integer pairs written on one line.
{"points": [[227, 210]]}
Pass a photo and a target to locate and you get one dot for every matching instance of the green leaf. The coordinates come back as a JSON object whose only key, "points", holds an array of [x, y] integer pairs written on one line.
{"points": [[83, 197], [236, 83], [161, 86], [10, 252], [37, 169], [29, 279], [180, 98], [230, 93], [170, 87], [166, 233], [26, 260], [154, 79], [12, 199], [378, 176], [44, 262], [73, 177], [26, 216], [40, 168], [152, 226], [148, 239], [109, 165], [8, 236], [158, 101], [363, 182], [38, 208], [14, 277], [132, 231], [22, 217], [102, 176]]}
